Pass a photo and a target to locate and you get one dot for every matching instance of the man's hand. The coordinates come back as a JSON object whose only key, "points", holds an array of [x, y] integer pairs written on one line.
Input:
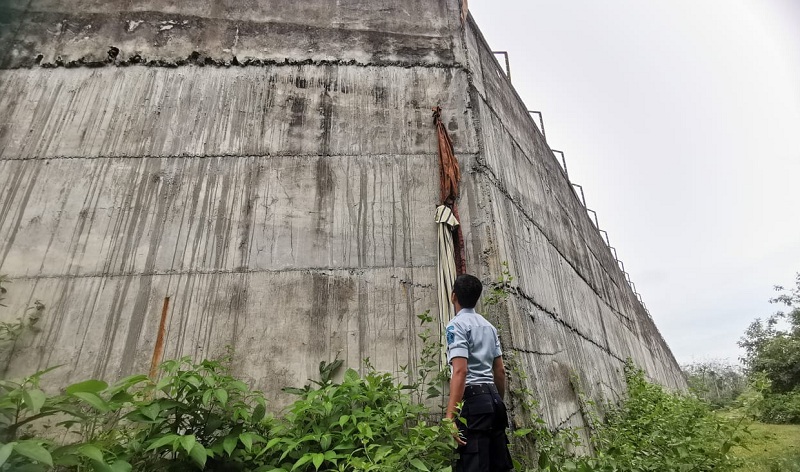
{"points": [[454, 431], [458, 380]]}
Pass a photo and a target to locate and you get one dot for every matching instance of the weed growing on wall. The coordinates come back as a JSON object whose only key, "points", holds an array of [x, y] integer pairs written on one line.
{"points": [[10, 331], [432, 375]]}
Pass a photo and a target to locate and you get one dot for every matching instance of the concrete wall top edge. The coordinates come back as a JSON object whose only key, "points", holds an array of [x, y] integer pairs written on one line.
{"points": [[49, 32]]}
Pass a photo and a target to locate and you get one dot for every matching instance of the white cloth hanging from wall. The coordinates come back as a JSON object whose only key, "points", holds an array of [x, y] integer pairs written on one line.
{"points": [[445, 268]]}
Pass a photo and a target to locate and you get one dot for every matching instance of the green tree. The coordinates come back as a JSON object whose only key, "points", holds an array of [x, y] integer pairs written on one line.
{"points": [[772, 353], [719, 383]]}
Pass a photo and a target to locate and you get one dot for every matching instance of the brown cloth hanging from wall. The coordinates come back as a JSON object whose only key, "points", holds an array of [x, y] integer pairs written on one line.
{"points": [[449, 173], [449, 179]]}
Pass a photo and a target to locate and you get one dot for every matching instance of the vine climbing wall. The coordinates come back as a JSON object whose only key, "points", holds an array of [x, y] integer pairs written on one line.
{"points": [[263, 175]]}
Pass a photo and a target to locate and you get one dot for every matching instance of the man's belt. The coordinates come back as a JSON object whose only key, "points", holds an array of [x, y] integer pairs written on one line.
{"points": [[479, 389]]}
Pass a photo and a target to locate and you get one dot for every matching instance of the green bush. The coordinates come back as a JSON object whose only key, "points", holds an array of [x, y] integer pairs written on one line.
{"points": [[367, 423], [198, 417], [781, 408], [654, 430]]}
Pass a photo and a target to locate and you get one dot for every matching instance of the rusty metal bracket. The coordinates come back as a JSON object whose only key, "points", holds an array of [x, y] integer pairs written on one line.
{"points": [[541, 123], [508, 64]]}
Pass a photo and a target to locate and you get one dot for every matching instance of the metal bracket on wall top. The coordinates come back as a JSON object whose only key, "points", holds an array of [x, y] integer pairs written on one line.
{"points": [[508, 64], [563, 161], [583, 197], [605, 233], [541, 123], [596, 223]]}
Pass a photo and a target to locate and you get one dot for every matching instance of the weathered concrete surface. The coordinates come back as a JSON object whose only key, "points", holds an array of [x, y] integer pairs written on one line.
{"points": [[125, 216], [286, 206], [227, 190], [251, 111], [83, 31], [281, 324]]}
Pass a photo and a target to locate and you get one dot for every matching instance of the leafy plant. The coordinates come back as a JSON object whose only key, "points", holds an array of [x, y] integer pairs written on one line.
{"points": [[500, 289], [197, 416], [432, 374], [654, 430], [368, 423], [10, 331]]}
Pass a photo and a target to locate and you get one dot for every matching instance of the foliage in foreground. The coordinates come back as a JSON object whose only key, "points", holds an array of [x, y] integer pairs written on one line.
{"points": [[198, 417], [658, 431], [652, 430]]}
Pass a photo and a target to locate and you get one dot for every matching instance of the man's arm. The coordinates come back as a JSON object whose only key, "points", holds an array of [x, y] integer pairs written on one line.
{"points": [[458, 381], [499, 373]]}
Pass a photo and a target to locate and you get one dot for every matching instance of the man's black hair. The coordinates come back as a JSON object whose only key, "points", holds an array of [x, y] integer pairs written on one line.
{"points": [[468, 290]]}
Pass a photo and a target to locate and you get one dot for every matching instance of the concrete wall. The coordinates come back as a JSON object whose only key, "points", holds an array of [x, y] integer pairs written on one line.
{"points": [[272, 169], [79, 32], [571, 310]]}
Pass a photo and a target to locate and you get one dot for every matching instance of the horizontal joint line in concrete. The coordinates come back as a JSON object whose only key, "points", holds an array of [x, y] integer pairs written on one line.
{"points": [[517, 291], [539, 353], [239, 156], [223, 271], [568, 418]]}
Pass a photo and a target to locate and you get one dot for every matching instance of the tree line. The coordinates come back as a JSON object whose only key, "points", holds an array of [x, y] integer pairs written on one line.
{"points": [[767, 383]]}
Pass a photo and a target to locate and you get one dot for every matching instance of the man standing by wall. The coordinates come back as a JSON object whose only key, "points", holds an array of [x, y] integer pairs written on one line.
{"points": [[479, 379]]}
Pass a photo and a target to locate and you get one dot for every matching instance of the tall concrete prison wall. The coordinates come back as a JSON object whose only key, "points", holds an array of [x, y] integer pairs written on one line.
{"points": [[271, 168]]}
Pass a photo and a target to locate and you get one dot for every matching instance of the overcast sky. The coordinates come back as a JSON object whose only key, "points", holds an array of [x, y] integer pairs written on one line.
{"points": [[681, 119]]}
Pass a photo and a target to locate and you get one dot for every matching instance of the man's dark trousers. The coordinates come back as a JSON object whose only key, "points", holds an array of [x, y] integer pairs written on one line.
{"points": [[485, 431]]}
